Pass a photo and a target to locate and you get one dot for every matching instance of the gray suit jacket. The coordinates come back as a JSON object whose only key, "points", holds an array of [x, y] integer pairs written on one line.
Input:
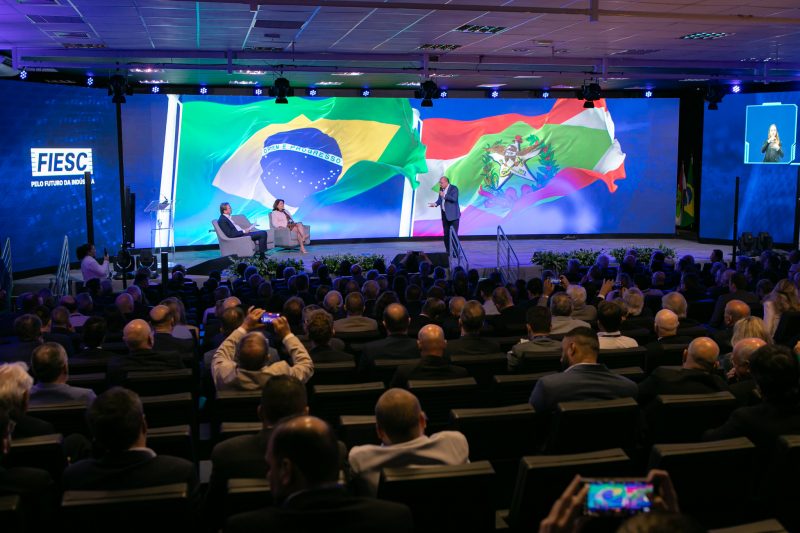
{"points": [[44, 393], [355, 324]]}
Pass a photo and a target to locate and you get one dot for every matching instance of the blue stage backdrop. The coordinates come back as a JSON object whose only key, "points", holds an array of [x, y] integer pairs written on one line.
{"points": [[50, 135], [360, 168], [732, 140]]}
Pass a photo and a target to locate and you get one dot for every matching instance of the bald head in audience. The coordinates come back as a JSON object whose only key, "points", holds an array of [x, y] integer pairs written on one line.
{"points": [[735, 310], [162, 319], [430, 341], [675, 302], [253, 351], [396, 319], [457, 305], [741, 355], [124, 303], [137, 335], [666, 323], [399, 417], [701, 354]]}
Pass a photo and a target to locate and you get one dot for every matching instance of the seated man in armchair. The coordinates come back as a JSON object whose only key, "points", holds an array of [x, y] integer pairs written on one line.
{"points": [[233, 230]]}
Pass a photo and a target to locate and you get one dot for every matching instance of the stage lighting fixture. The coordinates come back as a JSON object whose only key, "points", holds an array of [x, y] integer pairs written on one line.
{"points": [[746, 242], [155, 89], [493, 93], [713, 97], [23, 74], [203, 90], [281, 89], [117, 88], [89, 81], [545, 94], [365, 92], [736, 89], [443, 93], [765, 241], [428, 90], [589, 92], [123, 263], [258, 91], [648, 93], [312, 91]]}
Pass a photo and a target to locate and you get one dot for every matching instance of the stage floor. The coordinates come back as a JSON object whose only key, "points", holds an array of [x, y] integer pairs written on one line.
{"points": [[482, 254]]}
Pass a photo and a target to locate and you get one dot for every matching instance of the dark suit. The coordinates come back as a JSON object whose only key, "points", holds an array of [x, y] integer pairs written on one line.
{"points": [[326, 354], [17, 351], [723, 339], [141, 361], [762, 424], [230, 231], [63, 337], [580, 382], [395, 346], [510, 321], [471, 344], [417, 323], [38, 494], [165, 342], [30, 426], [331, 510], [666, 380], [49, 393], [673, 340], [429, 367], [719, 309], [450, 213]]}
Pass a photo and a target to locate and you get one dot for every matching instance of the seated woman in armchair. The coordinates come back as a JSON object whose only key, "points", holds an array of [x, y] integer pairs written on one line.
{"points": [[280, 218]]}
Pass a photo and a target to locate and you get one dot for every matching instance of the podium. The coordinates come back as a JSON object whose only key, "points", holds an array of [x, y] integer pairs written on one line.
{"points": [[161, 226]]}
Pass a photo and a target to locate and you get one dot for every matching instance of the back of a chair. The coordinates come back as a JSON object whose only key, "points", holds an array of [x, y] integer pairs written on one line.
{"points": [[45, 452], [782, 489], [235, 429], [762, 526], [87, 366], [67, 417], [788, 326], [483, 367], [329, 402], [542, 478], [497, 433], [438, 396], [669, 355], [356, 430], [163, 508], [633, 373], [334, 373], [584, 426], [169, 409], [11, 514], [540, 362], [514, 389], [244, 495], [622, 358], [172, 440], [95, 381], [443, 498], [384, 369], [709, 476], [160, 382], [685, 417], [236, 406]]}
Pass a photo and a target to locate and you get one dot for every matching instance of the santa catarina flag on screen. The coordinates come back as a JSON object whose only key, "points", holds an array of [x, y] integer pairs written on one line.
{"points": [[310, 152], [505, 164]]}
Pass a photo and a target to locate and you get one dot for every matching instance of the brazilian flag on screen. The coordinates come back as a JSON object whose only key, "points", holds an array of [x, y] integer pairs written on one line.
{"points": [[309, 152]]}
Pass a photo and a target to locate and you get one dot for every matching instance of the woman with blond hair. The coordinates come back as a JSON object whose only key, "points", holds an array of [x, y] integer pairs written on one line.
{"points": [[782, 298], [749, 327]]}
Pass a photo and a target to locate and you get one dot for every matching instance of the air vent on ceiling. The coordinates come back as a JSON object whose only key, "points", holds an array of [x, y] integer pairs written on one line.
{"points": [[39, 2], [705, 35], [83, 45], [441, 47], [272, 35], [266, 48], [280, 24], [54, 19], [62, 82], [635, 52], [477, 28], [70, 34]]}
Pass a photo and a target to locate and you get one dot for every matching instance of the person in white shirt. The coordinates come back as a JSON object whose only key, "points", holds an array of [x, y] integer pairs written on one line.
{"points": [[609, 319], [90, 268]]}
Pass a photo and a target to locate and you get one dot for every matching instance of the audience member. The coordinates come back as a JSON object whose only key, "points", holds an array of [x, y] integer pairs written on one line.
{"points": [[450, 325], [735, 310], [49, 362], [783, 298], [163, 322], [511, 318], [580, 309], [320, 328], [537, 343], [471, 321], [740, 379], [15, 390], [583, 378], [28, 330], [397, 345], [141, 357], [93, 337], [561, 309], [400, 423], [737, 290], [751, 326], [432, 363], [355, 322], [666, 329], [609, 320]]}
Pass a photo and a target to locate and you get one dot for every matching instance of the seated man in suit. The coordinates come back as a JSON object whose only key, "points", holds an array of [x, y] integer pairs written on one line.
{"points": [[471, 322], [666, 328], [400, 423], [15, 389], [737, 290], [62, 331], [303, 459], [580, 309], [141, 357], [28, 330], [775, 370], [735, 310], [450, 325], [676, 302], [740, 378], [511, 320], [92, 339], [561, 309], [355, 322], [397, 345], [163, 321], [538, 342], [49, 361], [697, 375], [320, 328], [243, 456], [583, 379], [432, 365], [253, 367], [232, 230], [609, 320], [116, 419], [432, 312]]}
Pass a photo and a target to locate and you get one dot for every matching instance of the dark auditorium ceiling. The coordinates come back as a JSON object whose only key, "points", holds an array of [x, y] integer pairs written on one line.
{"points": [[461, 44]]}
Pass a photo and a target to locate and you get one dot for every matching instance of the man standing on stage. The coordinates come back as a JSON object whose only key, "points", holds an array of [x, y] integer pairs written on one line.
{"points": [[448, 202]]}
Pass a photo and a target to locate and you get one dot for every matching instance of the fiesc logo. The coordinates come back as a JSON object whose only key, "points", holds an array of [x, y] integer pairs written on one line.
{"points": [[60, 161]]}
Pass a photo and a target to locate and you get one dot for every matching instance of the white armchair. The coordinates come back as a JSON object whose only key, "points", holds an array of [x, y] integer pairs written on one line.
{"points": [[285, 238], [239, 246]]}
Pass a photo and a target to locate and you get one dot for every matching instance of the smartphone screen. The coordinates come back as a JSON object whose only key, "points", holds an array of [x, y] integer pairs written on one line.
{"points": [[619, 497], [267, 318]]}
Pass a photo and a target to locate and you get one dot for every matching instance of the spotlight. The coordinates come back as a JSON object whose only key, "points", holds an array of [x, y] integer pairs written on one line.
{"points": [[713, 97], [494, 93], [747, 243], [589, 92], [443, 94], [23, 74], [428, 90], [648, 93], [155, 89], [365, 92], [258, 91], [765, 241], [311, 91], [117, 88], [281, 89], [545, 94], [736, 89], [89, 81], [203, 90]]}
